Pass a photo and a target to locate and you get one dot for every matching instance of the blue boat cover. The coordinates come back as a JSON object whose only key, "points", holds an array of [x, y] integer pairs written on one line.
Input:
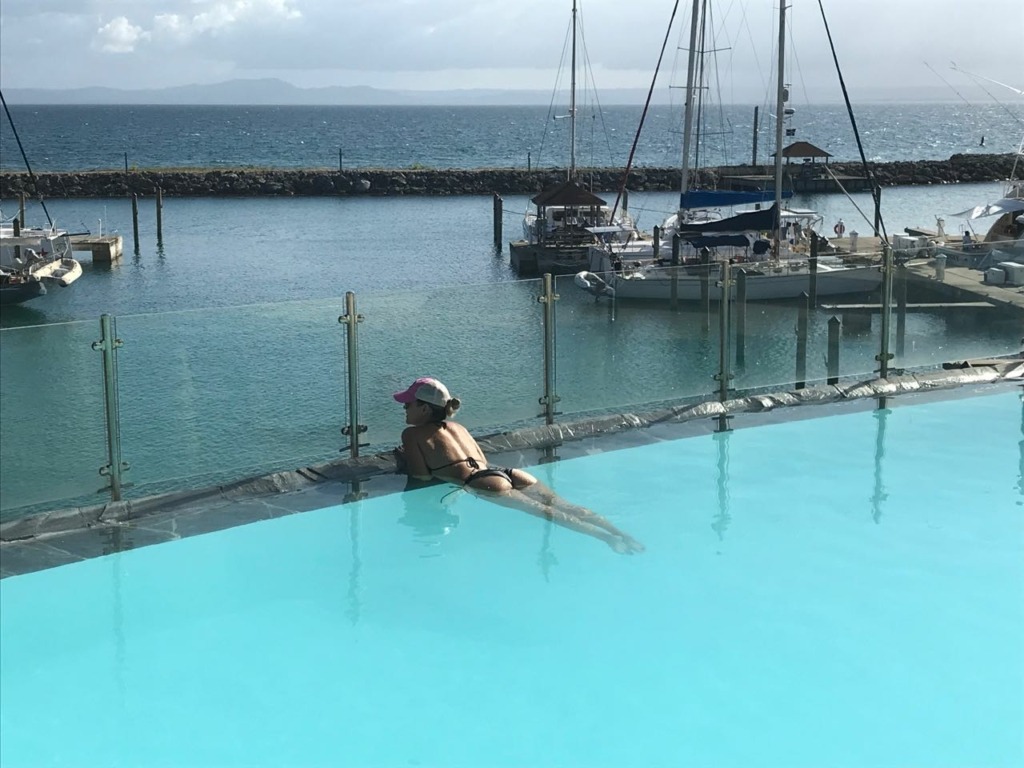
{"points": [[717, 198], [754, 221]]}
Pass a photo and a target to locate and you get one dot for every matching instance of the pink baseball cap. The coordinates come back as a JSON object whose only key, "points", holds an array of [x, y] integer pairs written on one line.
{"points": [[426, 389]]}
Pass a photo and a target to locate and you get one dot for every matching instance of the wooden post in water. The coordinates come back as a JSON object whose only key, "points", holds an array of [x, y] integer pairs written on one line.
{"points": [[753, 155], [159, 216], [135, 221], [901, 309], [17, 233], [812, 267], [625, 202], [657, 242], [674, 286], [341, 161], [878, 210], [705, 297], [529, 162], [497, 221], [741, 317], [801, 342], [832, 358], [21, 208]]}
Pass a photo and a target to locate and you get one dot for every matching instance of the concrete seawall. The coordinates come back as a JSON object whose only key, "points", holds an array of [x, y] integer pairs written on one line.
{"points": [[263, 182]]}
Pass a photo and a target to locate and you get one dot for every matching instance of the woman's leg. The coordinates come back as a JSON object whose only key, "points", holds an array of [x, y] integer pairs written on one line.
{"points": [[545, 504], [549, 498]]}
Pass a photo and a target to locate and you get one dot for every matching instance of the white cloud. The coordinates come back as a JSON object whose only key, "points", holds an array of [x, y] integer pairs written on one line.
{"points": [[214, 18], [119, 36]]}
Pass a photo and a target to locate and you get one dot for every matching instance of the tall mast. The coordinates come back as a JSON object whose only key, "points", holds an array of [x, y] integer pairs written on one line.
{"points": [[691, 73], [780, 108], [572, 101]]}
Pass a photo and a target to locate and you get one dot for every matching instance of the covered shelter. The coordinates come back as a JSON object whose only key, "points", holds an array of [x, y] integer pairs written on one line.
{"points": [[805, 151]]}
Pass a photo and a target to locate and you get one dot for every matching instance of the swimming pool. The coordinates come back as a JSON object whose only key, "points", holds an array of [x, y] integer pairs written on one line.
{"points": [[841, 591]]}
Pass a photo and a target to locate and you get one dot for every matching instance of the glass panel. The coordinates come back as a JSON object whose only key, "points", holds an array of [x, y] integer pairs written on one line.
{"points": [[485, 342], [768, 358], [615, 353], [53, 436], [930, 336], [215, 395]]}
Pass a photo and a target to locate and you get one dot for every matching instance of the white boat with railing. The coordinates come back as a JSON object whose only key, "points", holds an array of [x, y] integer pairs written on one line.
{"points": [[567, 217], [32, 257], [771, 244]]}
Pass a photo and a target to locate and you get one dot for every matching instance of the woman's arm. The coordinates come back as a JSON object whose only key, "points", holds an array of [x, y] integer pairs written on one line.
{"points": [[415, 463]]}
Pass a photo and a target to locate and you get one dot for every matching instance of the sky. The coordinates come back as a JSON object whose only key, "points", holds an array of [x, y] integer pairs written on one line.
{"points": [[503, 44]]}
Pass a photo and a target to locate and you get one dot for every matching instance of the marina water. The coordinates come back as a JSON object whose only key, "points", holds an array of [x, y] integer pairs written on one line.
{"points": [[232, 346]]}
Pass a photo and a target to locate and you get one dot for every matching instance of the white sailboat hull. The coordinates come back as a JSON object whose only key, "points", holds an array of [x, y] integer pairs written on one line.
{"points": [[665, 283]]}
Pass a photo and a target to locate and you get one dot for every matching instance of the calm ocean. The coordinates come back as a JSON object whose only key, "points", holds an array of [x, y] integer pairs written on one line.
{"points": [[60, 138]]}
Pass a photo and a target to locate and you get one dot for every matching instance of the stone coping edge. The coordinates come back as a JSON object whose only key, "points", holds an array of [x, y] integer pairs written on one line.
{"points": [[350, 470]]}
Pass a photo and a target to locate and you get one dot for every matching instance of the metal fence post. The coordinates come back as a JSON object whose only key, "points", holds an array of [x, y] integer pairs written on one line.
{"points": [[884, 356], [724, 352], [741, 317], [351, 321], [108, 345], [550, 398]]}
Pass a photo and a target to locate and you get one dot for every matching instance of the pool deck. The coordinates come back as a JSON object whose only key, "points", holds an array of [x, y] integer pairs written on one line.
{"points": [[50, 539]]}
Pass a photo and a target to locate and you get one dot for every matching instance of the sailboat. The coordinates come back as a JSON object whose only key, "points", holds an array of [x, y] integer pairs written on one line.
{"points": [[31, 258], [567, 218], [773, 243]]}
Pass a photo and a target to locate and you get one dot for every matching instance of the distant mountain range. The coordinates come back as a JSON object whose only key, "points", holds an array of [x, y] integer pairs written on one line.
{"points": [[277, 92]]}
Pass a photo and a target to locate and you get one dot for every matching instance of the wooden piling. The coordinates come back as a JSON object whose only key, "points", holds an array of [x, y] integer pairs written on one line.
{"points": [[17, 233], [812, 268], [741, 317], [901, 309], [832, 356], [674, 285], [135, 221], [21, 209], [705, 298], [159, 216], [657, 242], [801, 342], [497, 206]]}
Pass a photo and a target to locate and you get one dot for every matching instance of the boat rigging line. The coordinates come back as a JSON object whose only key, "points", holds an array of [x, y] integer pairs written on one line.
{"points": [[643, 114], [876, 191], [24, 157], [1016, 118]]}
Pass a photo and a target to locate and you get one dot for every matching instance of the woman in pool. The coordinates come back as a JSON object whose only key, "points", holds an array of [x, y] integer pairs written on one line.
{"points": [[434, 447]]}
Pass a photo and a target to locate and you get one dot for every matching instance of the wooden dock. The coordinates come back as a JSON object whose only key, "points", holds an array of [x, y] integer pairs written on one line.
{"points": [[105, 249], [963, 282], [911, 306]]}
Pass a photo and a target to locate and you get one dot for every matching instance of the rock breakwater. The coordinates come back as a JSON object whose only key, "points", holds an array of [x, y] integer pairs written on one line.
{"points": [[262, 182]]}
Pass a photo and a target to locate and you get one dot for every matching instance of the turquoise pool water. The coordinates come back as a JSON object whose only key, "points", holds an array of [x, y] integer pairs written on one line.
{"points": [[840, 591]]}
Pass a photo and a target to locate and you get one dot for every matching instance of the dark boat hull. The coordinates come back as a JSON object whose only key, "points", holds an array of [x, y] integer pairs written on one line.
{"points": [[18, 292]]}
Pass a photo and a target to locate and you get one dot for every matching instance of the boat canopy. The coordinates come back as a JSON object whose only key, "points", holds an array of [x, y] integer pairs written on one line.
{"points": [[718, 198], [754, 221], [568, 194], [1005, 205]]}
